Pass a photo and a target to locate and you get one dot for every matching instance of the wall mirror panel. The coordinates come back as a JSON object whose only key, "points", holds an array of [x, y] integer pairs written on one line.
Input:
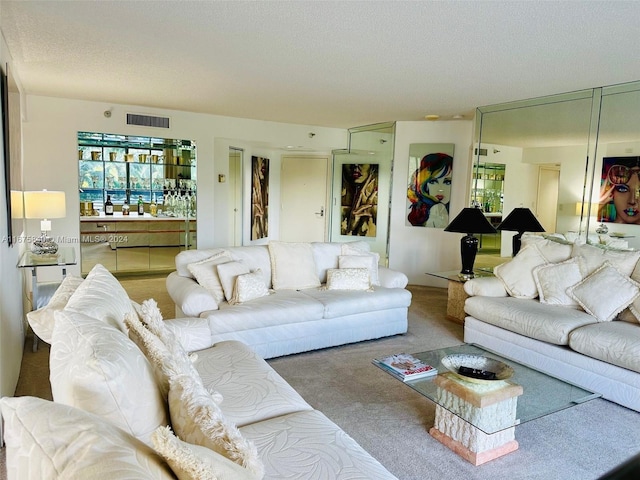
{"points": [[137, 201], [544, 146]]}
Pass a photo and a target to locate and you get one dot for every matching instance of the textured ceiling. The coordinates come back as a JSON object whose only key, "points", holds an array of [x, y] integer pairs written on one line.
{"points": [[338, 64]]}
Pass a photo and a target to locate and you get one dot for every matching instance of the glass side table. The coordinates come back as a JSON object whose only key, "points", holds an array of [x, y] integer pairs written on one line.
{"points": [[41, 292], [455, 291]]}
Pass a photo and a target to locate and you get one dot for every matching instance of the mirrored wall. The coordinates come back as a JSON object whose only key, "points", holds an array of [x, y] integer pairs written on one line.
{"points": [[557, 152], [362, 188]]}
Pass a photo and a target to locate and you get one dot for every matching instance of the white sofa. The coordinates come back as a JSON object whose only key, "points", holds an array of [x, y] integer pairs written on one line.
{"points": [[303, 310], [570, 310], [119, 377]]}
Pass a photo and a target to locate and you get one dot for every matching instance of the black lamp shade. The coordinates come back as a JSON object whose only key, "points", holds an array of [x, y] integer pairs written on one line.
{"points": [[520, 220], [469, 221]]}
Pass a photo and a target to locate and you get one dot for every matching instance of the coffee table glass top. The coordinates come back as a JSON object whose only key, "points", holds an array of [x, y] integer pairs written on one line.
{"points": [[542, 393]]}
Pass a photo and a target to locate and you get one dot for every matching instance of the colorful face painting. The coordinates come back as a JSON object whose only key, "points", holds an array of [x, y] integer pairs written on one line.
{"points": [[429, 191], [620, 190]]}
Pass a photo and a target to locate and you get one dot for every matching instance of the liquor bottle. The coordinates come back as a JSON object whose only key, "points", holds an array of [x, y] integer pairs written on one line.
{"points": [[140, 205], [153, 208], [125, 208], [108, 206]]}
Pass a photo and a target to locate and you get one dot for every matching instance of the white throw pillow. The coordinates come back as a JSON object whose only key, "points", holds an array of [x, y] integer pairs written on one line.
{"points": [[206, 274], [96, 367], [50, 440], [193, 462], [554, 250], [228, 272], [349, 279], [249, 286], [553, 279], [364, 260], [42, 320], [293, 266], [623, 260], [198, 420], [517, 274], [101, 296], [605, 293]]}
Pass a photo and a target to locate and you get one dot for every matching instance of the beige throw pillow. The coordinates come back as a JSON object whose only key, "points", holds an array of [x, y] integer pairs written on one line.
{"points": [[198, 420], [553, 280], [349, 279], [517, 274], [206, 274], [249, 286], [293, 266], [605, 293], [228, 273], [193, 462]]}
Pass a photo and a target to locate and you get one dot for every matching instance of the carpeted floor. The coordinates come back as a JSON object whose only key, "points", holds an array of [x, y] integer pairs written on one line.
{"points": [[391, 421]]}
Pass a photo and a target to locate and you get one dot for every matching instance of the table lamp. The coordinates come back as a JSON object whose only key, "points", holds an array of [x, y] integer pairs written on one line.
{"points": [[520, 220], [469, 220], [44, 205]]}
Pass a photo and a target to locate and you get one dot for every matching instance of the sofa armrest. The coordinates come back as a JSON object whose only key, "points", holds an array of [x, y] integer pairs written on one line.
{"points": [[193, 333], [191, 298], [486, 287], [391, 278]]}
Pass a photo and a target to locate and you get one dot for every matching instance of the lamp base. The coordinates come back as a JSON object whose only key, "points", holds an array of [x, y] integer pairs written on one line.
{"points": [[44, 245], [516, 243], [468, 251]]}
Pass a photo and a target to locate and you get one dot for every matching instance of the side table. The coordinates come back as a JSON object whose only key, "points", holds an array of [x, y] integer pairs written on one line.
{"points": [[455, 292], [41, 292]]}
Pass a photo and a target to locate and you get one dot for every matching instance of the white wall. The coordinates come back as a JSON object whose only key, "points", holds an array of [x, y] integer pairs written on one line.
{"points": [[418, 250], [11, 296], [50, 156]]}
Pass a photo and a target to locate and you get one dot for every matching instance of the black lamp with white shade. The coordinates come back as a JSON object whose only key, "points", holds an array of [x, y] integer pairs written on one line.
{"points": [[469, 220], [520, 220]]}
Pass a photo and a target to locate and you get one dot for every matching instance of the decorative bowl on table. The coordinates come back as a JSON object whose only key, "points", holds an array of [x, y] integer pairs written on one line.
{"points": [[480, 369]]}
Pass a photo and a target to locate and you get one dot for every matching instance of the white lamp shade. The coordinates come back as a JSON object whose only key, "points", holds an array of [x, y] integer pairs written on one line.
{"points": [[17, 205], [44, 204]]}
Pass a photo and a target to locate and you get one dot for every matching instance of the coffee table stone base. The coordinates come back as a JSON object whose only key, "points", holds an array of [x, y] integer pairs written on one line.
{"points": [[469, 442]]}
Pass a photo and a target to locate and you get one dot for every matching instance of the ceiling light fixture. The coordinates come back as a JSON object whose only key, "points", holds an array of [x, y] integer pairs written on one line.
{"points": [[432, 117], [458, 117]]}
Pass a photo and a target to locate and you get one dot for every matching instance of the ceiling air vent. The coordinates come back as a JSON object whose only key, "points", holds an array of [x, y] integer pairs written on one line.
{"points": [[147, 120]]}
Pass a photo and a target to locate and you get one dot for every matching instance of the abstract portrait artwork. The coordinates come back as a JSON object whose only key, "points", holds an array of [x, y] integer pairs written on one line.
{"points": [[359, 199], [620, 190], [259, 198], [429, 184]]}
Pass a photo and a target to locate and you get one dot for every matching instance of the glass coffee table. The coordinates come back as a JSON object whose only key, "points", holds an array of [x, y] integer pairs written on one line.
{"points": [[477, 418]]}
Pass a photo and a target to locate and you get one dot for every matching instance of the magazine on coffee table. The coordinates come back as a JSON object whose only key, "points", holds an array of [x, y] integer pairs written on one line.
{"points": [[405, 366]]}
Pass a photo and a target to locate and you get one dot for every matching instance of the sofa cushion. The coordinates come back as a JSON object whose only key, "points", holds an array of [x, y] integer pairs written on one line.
{"points": [[368, 261], [553, 279], [286, 306], [50, 440], [42, 320], [548, 323], [101, 296], [623, 260], [196, 418], [554, 250], [605, 293], [187, 257], [228, 273], [308, 445], [613, 342], [293, 266], [339, 303], [96, 367], [326, 255], [517, 274], [248, 286], [206, 274], [485, 286], [193, 462], [251, 390], [349, 279], [356, 249]]}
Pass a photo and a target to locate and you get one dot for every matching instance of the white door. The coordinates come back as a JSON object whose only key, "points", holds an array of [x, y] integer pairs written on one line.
{"points": [[547, 211], [304, 193]]}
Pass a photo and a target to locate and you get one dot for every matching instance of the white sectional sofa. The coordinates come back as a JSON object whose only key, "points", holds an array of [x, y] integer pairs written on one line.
{"points": [[125, 389], [307, 304], [570, 310]]}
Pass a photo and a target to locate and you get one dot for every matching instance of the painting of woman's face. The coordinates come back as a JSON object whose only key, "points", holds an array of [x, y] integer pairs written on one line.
{"points": [[625, 199], [440, 188]]}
